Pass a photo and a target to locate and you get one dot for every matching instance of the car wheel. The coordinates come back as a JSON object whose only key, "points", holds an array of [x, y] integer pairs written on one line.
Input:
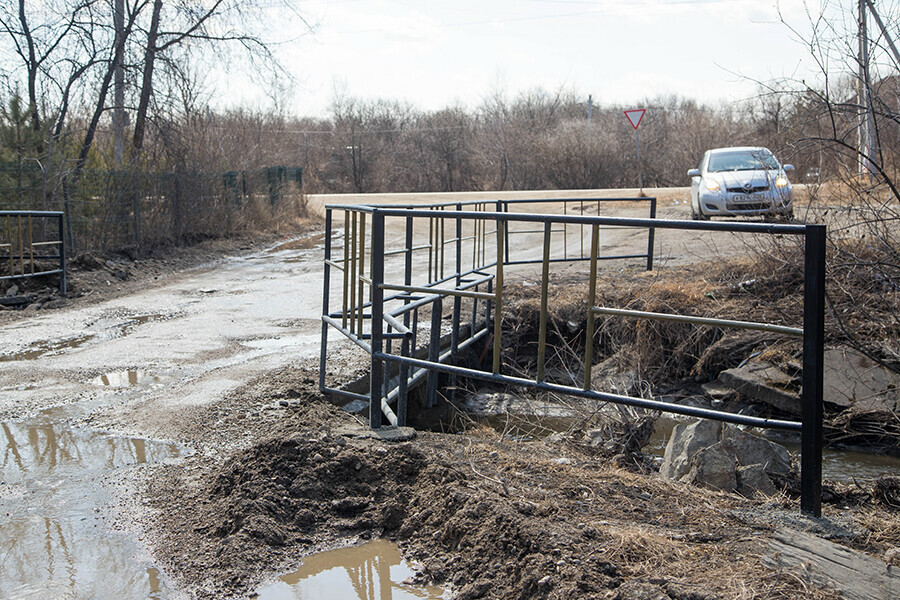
{"points": [[698, 216]]}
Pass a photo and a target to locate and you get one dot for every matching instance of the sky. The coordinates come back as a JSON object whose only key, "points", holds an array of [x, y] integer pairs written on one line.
{"points": [[437, 54]]}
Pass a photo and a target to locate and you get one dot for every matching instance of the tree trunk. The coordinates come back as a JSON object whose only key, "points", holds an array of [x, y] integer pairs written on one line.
{"points": [[147, 84]]}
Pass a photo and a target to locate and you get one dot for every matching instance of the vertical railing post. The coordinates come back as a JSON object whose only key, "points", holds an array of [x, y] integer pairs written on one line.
{"points": [[545, 285], [352, 291], [457, 301], [434, 351], [345, 308], [376, 375], [403, 384], [326, 296], [62, 255], [592, 300], [651, 235], [498, 294], [813, 370]]}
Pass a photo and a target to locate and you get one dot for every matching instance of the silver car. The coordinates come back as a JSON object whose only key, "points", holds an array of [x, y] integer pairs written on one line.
{"points": [[741, 181]]}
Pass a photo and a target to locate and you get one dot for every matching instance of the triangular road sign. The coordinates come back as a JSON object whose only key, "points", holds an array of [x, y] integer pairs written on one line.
{"points": [[634, 116]]}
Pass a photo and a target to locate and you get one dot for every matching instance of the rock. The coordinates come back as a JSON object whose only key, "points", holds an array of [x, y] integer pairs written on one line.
{"points": [[713, 467], [716, 390], [763, 382], [853, 380], [640, 590], [88, 261], [12, 290], [490, 404], [723, 457], [57, 303], [750, 449], [685, 441], [752, 480], [892, 557], [607, 377]]}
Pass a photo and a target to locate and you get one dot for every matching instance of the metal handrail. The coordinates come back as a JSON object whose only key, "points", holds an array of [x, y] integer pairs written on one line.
{"points": [[367, 295], [23, 250]]}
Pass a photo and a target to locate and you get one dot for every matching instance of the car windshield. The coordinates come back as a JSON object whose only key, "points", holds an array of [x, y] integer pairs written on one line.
{"points": [[742, 160]]}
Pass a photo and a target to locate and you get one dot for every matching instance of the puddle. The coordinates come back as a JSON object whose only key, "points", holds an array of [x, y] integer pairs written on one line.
{"points": [[128, 326], [55, 541], [277, 343], [37, 350], [372, 571], [125, 378], [307, 243]]}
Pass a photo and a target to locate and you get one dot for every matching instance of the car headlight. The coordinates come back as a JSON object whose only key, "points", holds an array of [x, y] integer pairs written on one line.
{"points": [[781, 182], [712, 185]]}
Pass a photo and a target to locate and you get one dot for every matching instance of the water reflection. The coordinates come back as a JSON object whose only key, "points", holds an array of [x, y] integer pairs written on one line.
{"points": [[372, 571], [54, 538], [125, 378]]}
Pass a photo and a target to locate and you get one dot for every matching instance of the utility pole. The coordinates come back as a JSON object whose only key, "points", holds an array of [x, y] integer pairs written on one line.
{"points": [[590, 110], [119, 88], [867, 142]]}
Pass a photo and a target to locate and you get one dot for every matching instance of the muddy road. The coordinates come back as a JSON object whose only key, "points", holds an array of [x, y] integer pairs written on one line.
{"points": [[94, 391]]}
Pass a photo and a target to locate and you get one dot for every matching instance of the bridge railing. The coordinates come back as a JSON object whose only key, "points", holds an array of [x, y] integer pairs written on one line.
{"points": [[387, 279]]}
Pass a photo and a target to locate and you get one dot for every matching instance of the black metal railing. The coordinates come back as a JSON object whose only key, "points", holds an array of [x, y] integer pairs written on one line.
{"points": [[386, 281], [32, 245]]}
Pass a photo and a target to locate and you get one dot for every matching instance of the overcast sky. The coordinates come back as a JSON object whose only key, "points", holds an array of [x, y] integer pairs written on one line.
{"points": [[434, 54]]}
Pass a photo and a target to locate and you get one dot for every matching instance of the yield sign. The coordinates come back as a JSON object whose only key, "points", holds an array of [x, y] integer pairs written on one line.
{"points": [[634, 116]]}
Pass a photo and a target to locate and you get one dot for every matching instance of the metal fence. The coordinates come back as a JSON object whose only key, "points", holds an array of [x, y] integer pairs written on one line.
{"points": [[32, 244], [387, 281], [133, 208]]}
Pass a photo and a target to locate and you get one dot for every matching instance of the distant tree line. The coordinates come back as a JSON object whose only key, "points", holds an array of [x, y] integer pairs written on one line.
{"points": [[108, 119]]}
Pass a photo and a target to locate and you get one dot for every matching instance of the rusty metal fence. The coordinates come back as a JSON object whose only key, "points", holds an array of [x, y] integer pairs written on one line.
{"points": [[394, 268], [32, 245]]}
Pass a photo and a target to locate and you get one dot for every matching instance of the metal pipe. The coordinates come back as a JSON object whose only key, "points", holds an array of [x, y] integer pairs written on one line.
{"points": [[350, 270], [737, 227], [326, 296], [434, 350], [767, 327], [679, 409], [431, 290], [498, 309], [362, 268], [62, 257], [651, 236], [592, 300], [348, 333], [812, 437], [376, 375], [542, 326]]}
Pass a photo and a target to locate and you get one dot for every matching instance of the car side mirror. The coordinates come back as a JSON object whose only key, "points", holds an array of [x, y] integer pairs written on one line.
{"points": [[788, 168], [696, 172]]}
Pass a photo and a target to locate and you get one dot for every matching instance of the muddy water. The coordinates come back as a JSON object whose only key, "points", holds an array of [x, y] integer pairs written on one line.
{"points": [[48, 347], [55, 540], [372, 571]]}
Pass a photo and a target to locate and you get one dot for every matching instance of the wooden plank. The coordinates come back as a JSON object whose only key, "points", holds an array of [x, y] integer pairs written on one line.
{"points": [[853, 574]]}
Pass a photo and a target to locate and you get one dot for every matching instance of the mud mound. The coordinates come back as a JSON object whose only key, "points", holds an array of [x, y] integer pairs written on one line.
{"points": [[292, 490], [277, 501]]}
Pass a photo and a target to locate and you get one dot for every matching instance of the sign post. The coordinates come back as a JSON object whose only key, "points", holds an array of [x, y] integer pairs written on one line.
{"points": [[635, 116]]}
